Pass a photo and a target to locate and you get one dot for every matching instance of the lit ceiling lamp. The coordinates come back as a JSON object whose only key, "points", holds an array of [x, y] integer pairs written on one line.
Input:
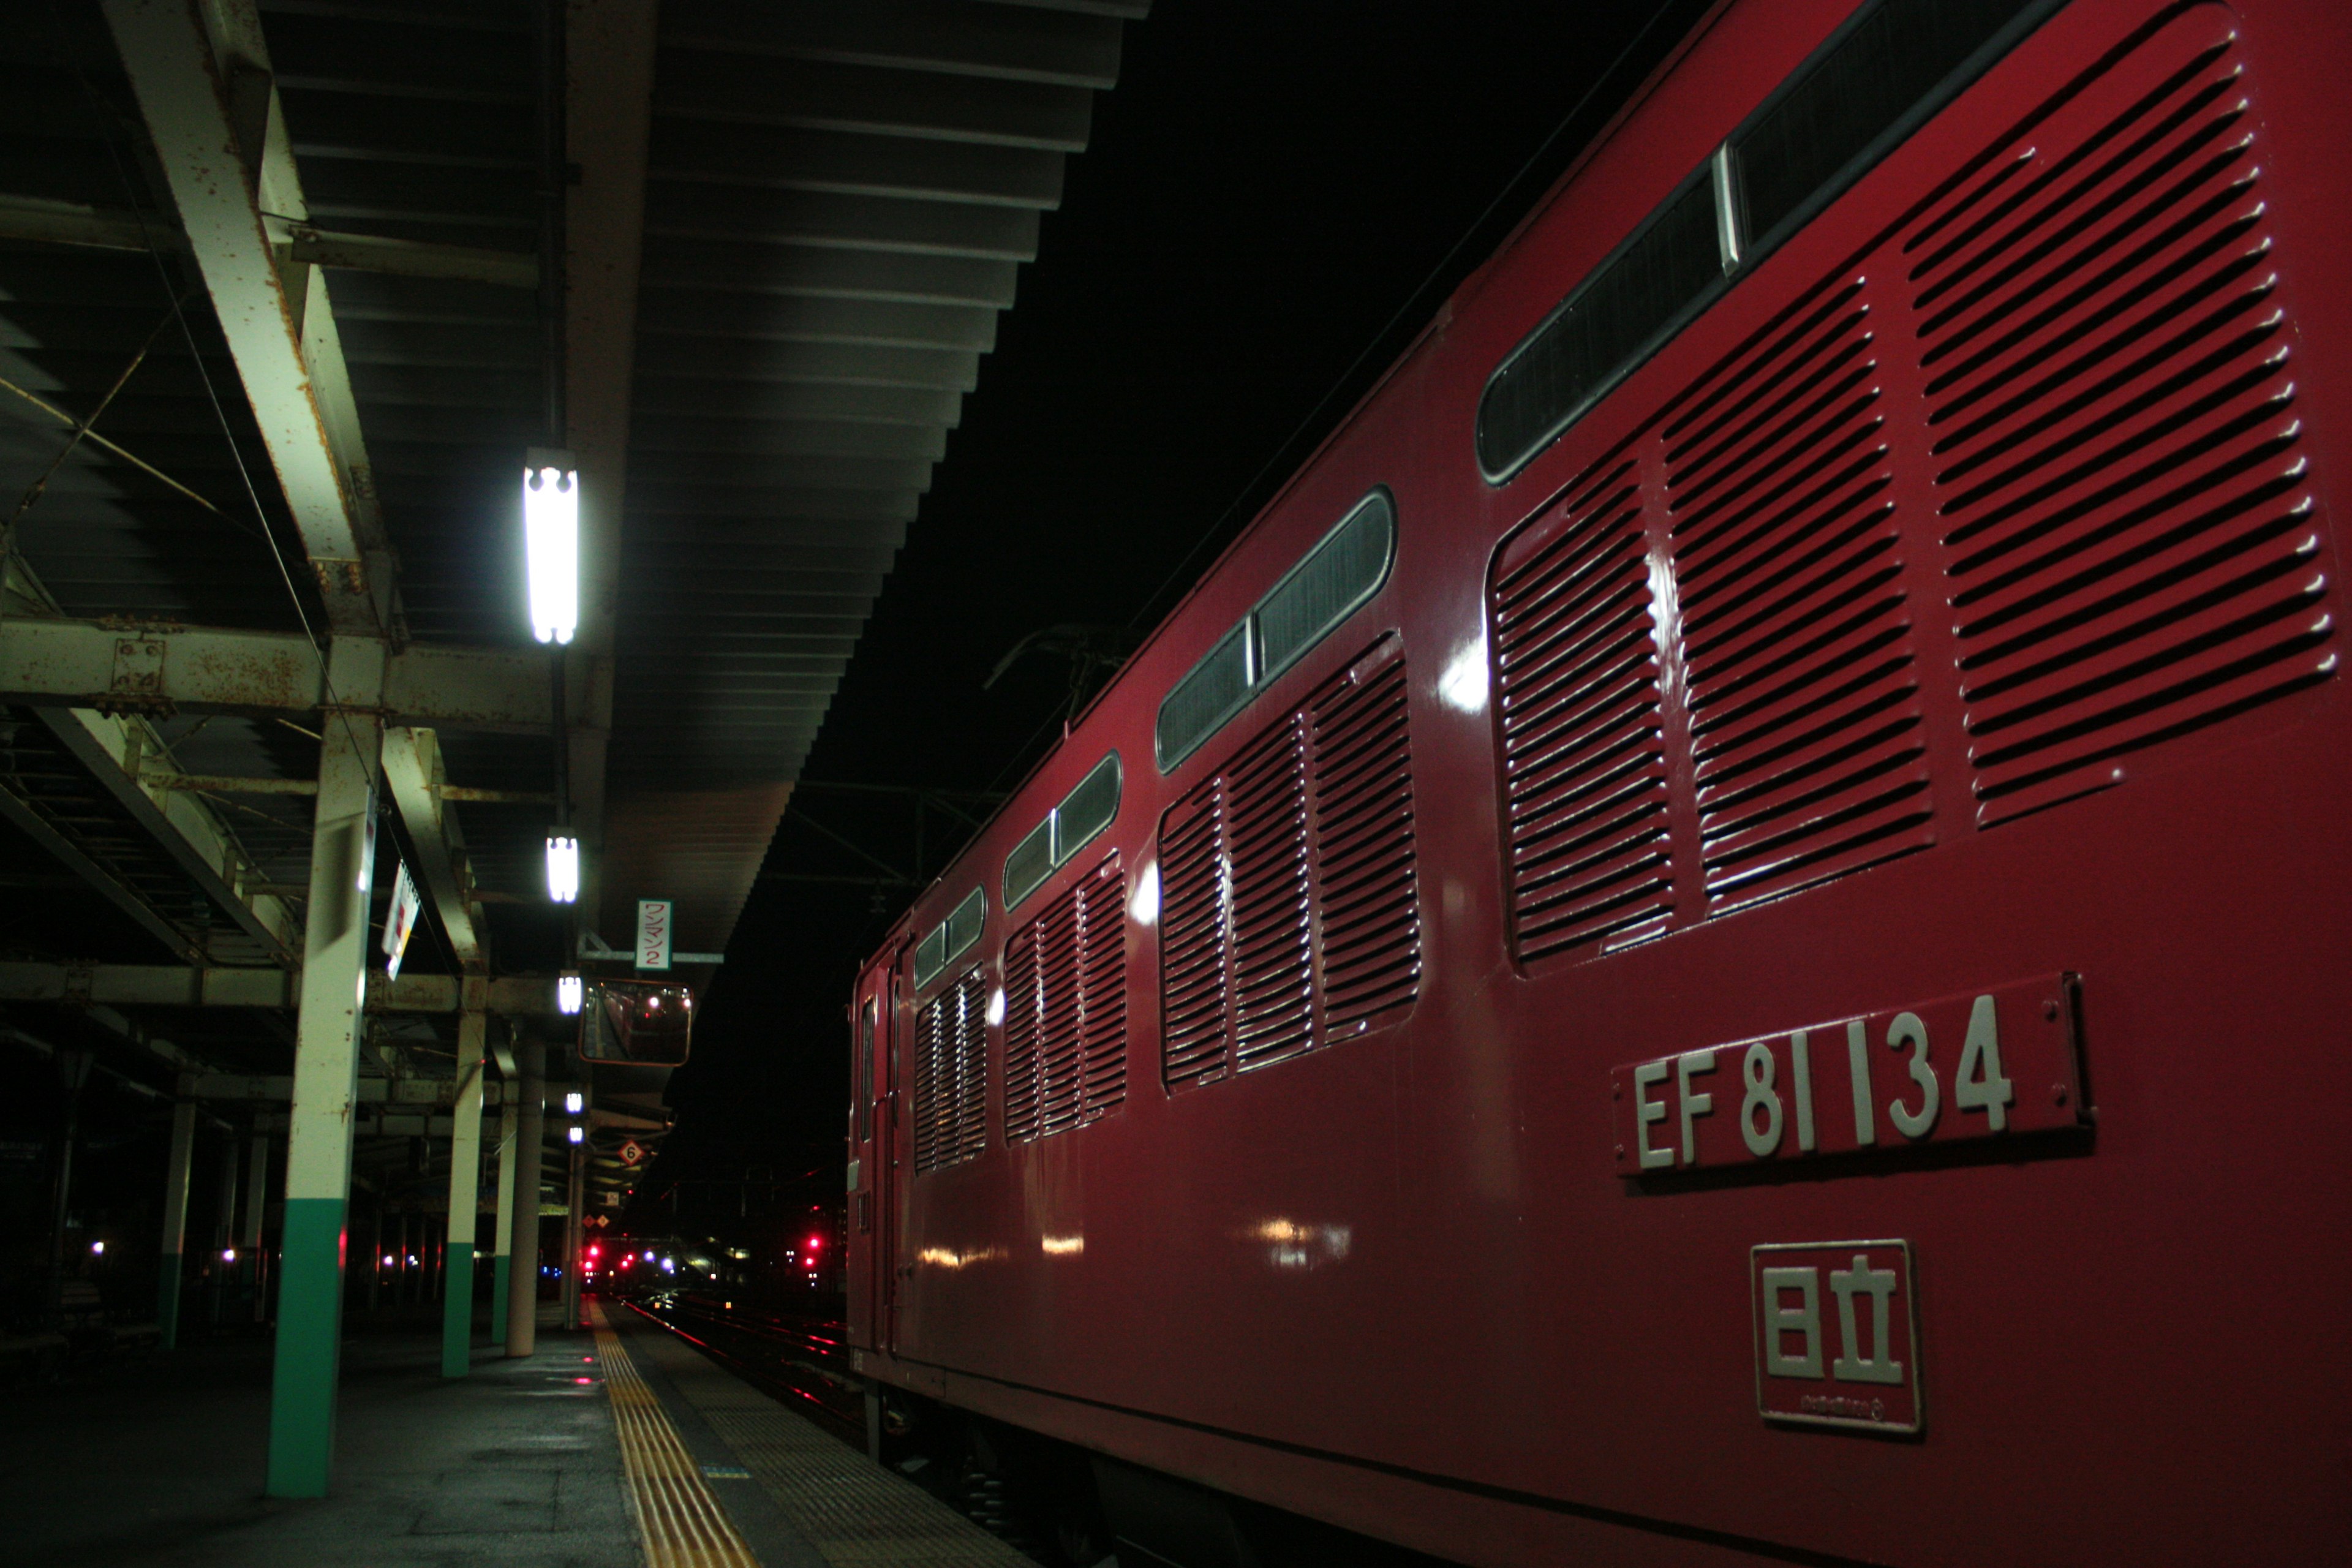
{"points": [[569, 994], [550, 527], [563, 866], [577, 1135]]}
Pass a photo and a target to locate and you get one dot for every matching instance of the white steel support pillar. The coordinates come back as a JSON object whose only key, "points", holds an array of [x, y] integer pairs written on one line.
{"points": [[326, 1093], [522, 1280], [256, 1203], [175, 1221], [502, 1227], [465, 1197]]}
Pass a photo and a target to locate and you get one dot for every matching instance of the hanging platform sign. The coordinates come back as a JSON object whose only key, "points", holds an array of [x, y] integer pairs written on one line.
{"points": [[653, 934], [401, 923]]}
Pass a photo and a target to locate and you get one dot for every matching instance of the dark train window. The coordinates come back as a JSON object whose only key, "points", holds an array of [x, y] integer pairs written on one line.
{"points": [[1212, 693], [1613, 320], [1883, 73], [1030, 863], [1891, 67], [1086, 810], [1345, 567], [951, 938], [1091, 806], [1338, 574]]}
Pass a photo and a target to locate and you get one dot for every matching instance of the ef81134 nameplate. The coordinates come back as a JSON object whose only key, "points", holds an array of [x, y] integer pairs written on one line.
{"points": [[1996, 1063]]}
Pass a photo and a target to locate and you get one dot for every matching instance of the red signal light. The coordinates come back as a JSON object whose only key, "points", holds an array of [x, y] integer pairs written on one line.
{"points": [[814, 1242]]}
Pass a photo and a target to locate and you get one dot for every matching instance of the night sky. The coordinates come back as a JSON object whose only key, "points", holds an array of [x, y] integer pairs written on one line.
{"points": [[1276, 198]]}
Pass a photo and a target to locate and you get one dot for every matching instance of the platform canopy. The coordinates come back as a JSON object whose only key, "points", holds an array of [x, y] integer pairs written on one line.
{"points": [[288, 289]]}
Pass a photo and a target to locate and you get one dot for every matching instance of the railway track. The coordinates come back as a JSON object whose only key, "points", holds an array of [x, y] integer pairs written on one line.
{"points": [[802, 1359]]}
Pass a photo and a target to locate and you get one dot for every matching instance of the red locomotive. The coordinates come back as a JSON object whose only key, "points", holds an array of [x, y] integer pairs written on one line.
{"points": [[1723, 935]]}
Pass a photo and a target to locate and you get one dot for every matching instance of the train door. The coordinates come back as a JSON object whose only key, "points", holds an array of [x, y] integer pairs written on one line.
{"points": [[869, 1143], [873, 1158]]}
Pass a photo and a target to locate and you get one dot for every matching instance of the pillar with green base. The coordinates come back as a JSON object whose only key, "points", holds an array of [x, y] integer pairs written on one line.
{"points": [[522, 1286], [176, 1223], [465, 1197], [326, 1088], [503, 1241]]}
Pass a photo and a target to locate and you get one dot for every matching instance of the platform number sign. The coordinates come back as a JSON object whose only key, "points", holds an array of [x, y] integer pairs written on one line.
{"points": [[1837, 1335], [653, 934]]}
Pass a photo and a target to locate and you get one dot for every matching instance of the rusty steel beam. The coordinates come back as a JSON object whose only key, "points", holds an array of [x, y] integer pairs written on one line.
{"points": [[199, 670], [47, 222], [187, 985], [114, 748], [414, 774], [202, 78]]}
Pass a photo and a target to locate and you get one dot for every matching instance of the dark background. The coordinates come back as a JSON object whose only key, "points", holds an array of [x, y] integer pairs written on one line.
{"points": [[1276, 198]]}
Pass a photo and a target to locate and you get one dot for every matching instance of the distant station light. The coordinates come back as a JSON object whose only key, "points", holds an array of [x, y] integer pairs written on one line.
{"points": [[563, 867], [551, 522], [97, 1250]]}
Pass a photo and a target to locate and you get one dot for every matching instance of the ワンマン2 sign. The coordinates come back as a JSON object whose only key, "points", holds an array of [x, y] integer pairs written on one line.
{"points": [[1996, 1063]]}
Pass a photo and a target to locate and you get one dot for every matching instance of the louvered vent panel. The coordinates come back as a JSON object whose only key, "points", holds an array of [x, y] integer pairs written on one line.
{"points": [[1583, 759], [1802, 685], [1057, 1002], [2133, 543], [1265, 838], [970, 1066], [1194, 917], [1066, 1010], [1102, 990], [1023, 1028], [1367, 915], [951, 1075]]}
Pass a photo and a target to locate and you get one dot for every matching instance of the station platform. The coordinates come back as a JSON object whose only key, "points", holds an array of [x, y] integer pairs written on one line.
{"points": [[616, 1447]]}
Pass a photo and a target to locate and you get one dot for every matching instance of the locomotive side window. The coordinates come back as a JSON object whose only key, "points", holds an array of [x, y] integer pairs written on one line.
{"points": [[1345, 568], [1889, 68], [1875, 81], [1616, 318], [1340, 573], [951, 938], [1090, 807]]}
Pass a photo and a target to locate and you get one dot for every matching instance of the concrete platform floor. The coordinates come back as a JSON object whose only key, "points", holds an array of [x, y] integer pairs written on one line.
{"points": [[159, 1463]]}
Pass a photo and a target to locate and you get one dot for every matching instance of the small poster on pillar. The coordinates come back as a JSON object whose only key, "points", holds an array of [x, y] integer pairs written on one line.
{"points": [[401, 923]]}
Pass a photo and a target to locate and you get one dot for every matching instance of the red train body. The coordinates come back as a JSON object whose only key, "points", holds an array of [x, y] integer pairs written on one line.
{"points": [[1779, 986]]}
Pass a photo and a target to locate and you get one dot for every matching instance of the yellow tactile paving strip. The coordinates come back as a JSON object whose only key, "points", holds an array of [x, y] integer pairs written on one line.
{"points": [[682, 1523], [856, 1514]]}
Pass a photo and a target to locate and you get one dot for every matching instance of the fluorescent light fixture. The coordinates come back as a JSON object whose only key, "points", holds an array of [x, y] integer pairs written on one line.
{"points": [[550, 527], [569, 994], [563, 867], [574, 1102], [578, 1135]]}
